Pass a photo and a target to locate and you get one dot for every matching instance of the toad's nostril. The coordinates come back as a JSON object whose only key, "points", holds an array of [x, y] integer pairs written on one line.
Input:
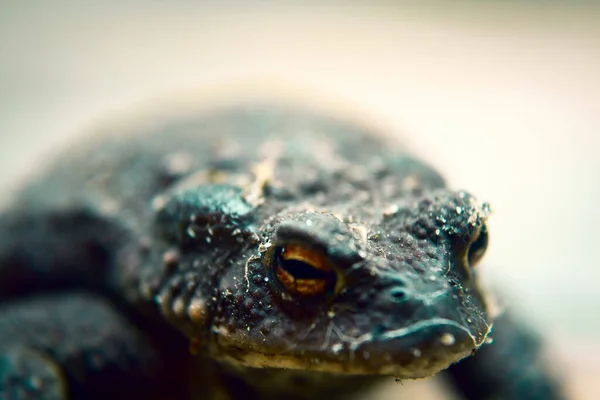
{"points": [[398, 295]]}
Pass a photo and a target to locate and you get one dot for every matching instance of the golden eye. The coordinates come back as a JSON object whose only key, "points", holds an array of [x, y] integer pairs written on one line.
{"points": [[303, 271], [478, 247]]}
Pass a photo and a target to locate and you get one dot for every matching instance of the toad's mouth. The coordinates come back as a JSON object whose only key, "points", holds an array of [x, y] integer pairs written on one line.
{"points": [[416, 351]]}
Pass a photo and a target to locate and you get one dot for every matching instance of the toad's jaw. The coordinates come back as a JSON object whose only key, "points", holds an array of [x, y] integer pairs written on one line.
{"points": [[428, 347]]}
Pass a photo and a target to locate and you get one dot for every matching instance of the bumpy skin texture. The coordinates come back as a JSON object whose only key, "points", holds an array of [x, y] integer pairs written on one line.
{"points": [[170, 239]]}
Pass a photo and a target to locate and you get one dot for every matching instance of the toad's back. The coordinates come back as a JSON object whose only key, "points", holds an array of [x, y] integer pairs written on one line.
{"points": [[135, 163]]}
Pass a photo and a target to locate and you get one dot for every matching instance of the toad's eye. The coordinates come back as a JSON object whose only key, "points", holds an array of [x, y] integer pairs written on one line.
{"points": [[303, 271], [477, 247]]}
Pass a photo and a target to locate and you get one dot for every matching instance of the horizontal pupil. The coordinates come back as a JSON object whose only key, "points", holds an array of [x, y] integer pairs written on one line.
{"points": [[302, 270]]}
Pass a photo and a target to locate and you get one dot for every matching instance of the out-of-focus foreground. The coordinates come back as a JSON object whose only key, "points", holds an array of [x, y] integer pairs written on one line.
{"points": [[503, 98]]}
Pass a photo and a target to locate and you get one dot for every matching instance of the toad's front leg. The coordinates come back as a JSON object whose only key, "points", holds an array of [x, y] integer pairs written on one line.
{"points": [[77, 346], [512, 367]]}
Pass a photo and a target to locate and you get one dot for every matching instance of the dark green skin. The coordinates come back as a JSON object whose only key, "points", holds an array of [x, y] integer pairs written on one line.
{"points": [[143, 265]]}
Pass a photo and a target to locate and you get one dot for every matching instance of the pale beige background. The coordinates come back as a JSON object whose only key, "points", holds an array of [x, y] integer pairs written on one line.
{"points": [[504, 98]]}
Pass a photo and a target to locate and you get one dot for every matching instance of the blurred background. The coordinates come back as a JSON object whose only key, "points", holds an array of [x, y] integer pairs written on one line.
{"points": [[503, 97]]}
